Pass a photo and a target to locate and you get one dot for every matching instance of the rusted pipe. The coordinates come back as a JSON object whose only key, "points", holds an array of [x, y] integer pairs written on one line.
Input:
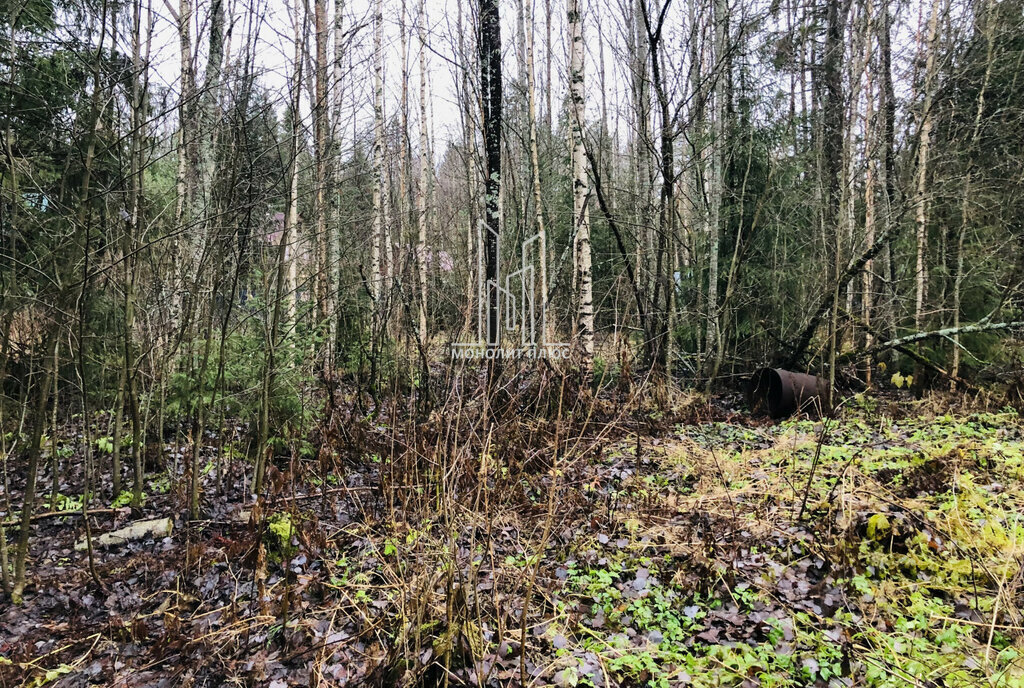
{"points": [[783, 392]]}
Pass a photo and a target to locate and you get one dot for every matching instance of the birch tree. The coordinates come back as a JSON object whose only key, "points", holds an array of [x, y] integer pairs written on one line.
{"points": [[421, 201], [717, 190], [538, 201], [338, 93], [130, 247], [923, 151], [404, 199], [187, 151], [870, 181], [581, 190], [380, 190]]}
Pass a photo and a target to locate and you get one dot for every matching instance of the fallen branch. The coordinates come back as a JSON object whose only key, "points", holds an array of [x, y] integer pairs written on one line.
{"points": [[903, 349], [945, 332], [54, 514], [140, 530], [853, 268]]}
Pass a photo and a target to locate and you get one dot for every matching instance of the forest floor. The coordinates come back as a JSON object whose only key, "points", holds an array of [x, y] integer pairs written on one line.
{"points": [[883, 548]]}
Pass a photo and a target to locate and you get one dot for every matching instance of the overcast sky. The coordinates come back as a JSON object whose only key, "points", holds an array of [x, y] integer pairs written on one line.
{"points": [[274, 48]]}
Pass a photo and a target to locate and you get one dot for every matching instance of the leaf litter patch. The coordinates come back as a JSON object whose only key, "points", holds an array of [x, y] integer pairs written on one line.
{"points": [[674, 558]]}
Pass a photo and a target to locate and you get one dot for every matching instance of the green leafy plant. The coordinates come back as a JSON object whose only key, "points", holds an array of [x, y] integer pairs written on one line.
{"points": [[67, 503], [124, 499]]}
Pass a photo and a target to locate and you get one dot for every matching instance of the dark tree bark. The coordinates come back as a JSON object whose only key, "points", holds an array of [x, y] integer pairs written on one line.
{"points": [[489, 43], [886, 305], [658, 338], [832, 154]]}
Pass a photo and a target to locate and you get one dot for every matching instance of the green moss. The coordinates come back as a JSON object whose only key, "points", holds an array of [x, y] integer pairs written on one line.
{"points": [[281, 529]]}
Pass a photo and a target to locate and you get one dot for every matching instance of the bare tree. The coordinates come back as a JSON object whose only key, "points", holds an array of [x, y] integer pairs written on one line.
{"points": [[870, 180], [965, 200], [538, 201], [654, 27], [831, 157], [322, 158], [421, 204], [288, 229], [717, 187], [132, 234], [580, 189], [923, 151], [489, 47], [380, 230]]}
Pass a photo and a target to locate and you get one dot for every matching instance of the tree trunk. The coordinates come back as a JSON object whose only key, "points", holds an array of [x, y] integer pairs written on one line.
{"points": [[140, 83], [282, 262], [118, 412], [421, 205], [32, 465], [54, 456], [291, 215], [717, 184], [870, 175], [657, 346], [965, 201], [644, 161], [548, 110], [404, 200], [921, 189], [581, 191], [188, 163], [538, 210], [832, 162], [380, 195], [473, 291], [489, 45], [336, 183], [321, 153], [887, 170]]}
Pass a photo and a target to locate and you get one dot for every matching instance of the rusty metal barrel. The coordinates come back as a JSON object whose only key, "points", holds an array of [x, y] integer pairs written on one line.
{"points": [[783, 392]]}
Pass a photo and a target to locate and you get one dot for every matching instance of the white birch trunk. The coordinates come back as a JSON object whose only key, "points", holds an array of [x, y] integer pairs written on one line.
{"points": [[186, 163], [421, 194], [379, 178], [716, 191], [870, 174], [336, 136], [581, 216], [404, 162], [291, 217], [923, 151], [542, 241]]}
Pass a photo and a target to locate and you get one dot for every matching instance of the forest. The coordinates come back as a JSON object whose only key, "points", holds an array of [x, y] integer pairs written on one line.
{"points": [[523, 343]]}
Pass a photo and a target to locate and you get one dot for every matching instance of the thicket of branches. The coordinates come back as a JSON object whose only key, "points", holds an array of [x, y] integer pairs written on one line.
{"points": [[223, 209]]}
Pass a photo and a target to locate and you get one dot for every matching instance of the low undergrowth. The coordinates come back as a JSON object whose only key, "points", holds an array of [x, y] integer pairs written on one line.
{"points": [[903, 569], [592, 549]]}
